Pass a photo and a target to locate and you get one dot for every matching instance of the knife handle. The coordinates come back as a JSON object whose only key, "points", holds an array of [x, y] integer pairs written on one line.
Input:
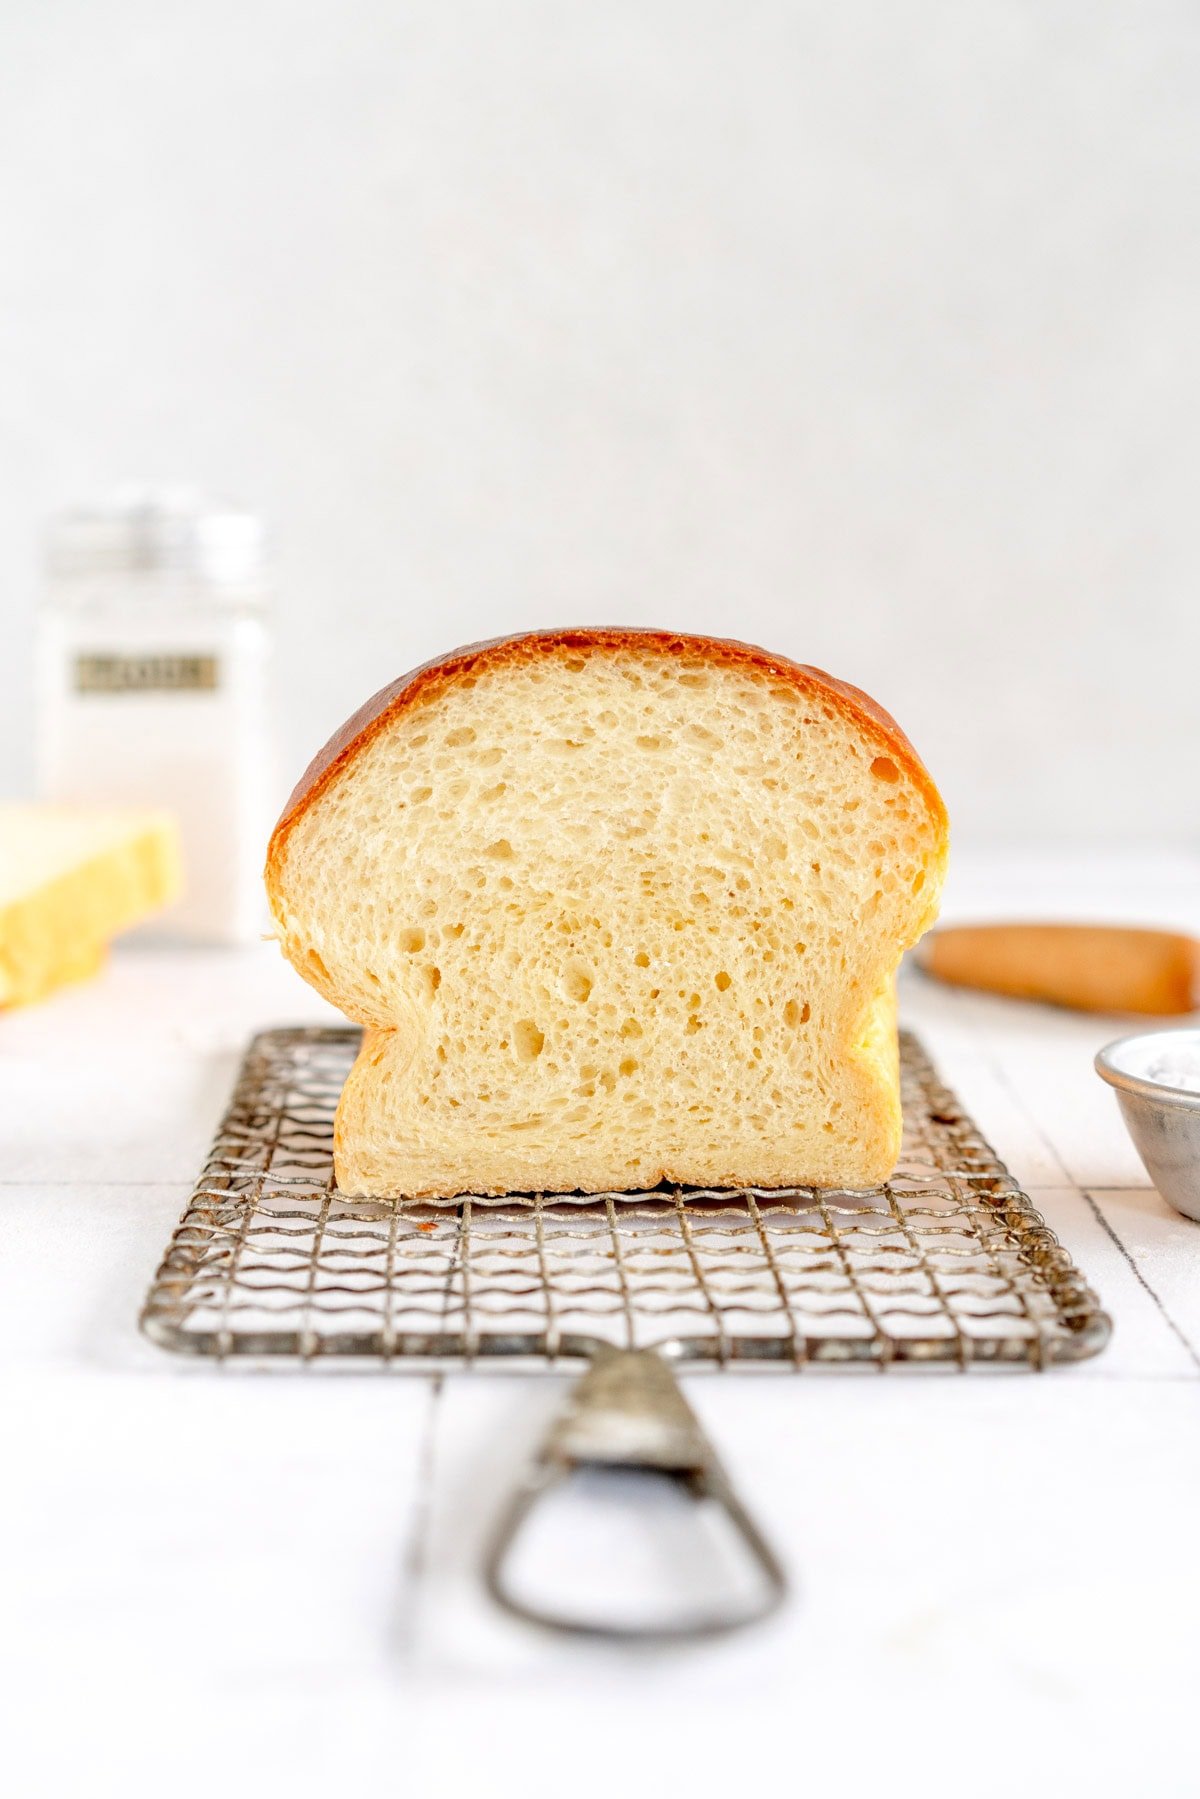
{"points": [[1093, 968]]}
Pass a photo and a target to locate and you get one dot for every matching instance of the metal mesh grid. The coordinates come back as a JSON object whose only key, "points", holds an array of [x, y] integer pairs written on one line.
{"points": [[948, 1263]]}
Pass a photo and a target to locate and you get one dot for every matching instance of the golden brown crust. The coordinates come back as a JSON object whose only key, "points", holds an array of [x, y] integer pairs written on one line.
{"points": [[423, 682]]}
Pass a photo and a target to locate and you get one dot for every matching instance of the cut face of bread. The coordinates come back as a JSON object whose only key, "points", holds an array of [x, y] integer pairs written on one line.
{"points": [[615, 908]]}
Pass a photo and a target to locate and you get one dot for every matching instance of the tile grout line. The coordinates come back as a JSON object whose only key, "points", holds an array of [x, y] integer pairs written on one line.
{"points": [[1139, 1276], [1087, 1195]]}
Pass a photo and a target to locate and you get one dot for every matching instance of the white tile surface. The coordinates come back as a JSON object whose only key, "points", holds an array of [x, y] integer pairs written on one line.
{"points": [[1061, 1091], [293, 1560], [1015, 1136], [1163, 1249], [101, 1117], [140, 1063], [73, 1271], [1042, 1089], [1144, 1345], [957, 1548]]}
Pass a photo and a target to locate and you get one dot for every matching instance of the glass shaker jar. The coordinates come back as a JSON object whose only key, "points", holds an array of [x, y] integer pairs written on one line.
{"points": [[153, 669]]}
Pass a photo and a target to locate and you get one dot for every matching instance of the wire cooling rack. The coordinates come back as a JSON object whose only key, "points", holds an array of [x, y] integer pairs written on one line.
{"points": [[947, 1264]]}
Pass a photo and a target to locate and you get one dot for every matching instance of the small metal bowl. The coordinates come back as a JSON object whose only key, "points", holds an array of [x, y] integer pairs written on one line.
{"points": [[1164, 1121]]}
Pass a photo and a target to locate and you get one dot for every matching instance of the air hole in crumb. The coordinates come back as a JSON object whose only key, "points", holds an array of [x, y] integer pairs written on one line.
{"points": [[649, 743], [884, 769], [412, 941], [494, 793], [631, 1028], [628, 1066], [433, 980], [642, 960], [918, 881], [317, 965], [501, 851], [527, 1040], [420, 794], [723, 981], [456, 739], [578, 984]]}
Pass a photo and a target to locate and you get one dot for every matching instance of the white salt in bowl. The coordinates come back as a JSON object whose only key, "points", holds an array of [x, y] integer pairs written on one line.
{"points": [[1157, 1079]]}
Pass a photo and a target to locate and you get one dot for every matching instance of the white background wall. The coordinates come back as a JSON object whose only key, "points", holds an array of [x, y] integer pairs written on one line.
{"points": [[863, 330]]}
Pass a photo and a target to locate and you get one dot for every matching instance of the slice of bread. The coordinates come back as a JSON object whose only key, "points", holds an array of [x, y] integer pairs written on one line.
{"points": [[71, 877], [616, 907]]}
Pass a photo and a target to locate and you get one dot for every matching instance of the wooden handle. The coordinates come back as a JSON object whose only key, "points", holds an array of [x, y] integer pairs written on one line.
{"points": [[1095, 968]]}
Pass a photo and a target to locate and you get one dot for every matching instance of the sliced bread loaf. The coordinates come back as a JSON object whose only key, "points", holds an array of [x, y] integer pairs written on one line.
{"points": [[615, 907], [71, 878]]}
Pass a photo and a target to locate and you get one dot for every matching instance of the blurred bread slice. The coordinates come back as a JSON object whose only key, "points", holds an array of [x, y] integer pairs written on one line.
{"points": [[616, 907], [71, 878]]}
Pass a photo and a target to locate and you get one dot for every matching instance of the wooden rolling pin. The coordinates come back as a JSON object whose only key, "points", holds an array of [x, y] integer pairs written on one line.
{"points": [[1094, 968]]}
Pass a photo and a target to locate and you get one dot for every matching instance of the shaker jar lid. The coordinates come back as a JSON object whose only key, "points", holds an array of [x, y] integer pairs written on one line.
{"points": [[147, 531]]}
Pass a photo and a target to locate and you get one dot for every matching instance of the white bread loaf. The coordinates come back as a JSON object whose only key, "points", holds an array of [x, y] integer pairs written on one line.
{"points": [[71, 879], [615, 907]]}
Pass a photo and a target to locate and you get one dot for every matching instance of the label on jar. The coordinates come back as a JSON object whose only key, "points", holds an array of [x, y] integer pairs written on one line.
{"points": [[161, 672]]}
